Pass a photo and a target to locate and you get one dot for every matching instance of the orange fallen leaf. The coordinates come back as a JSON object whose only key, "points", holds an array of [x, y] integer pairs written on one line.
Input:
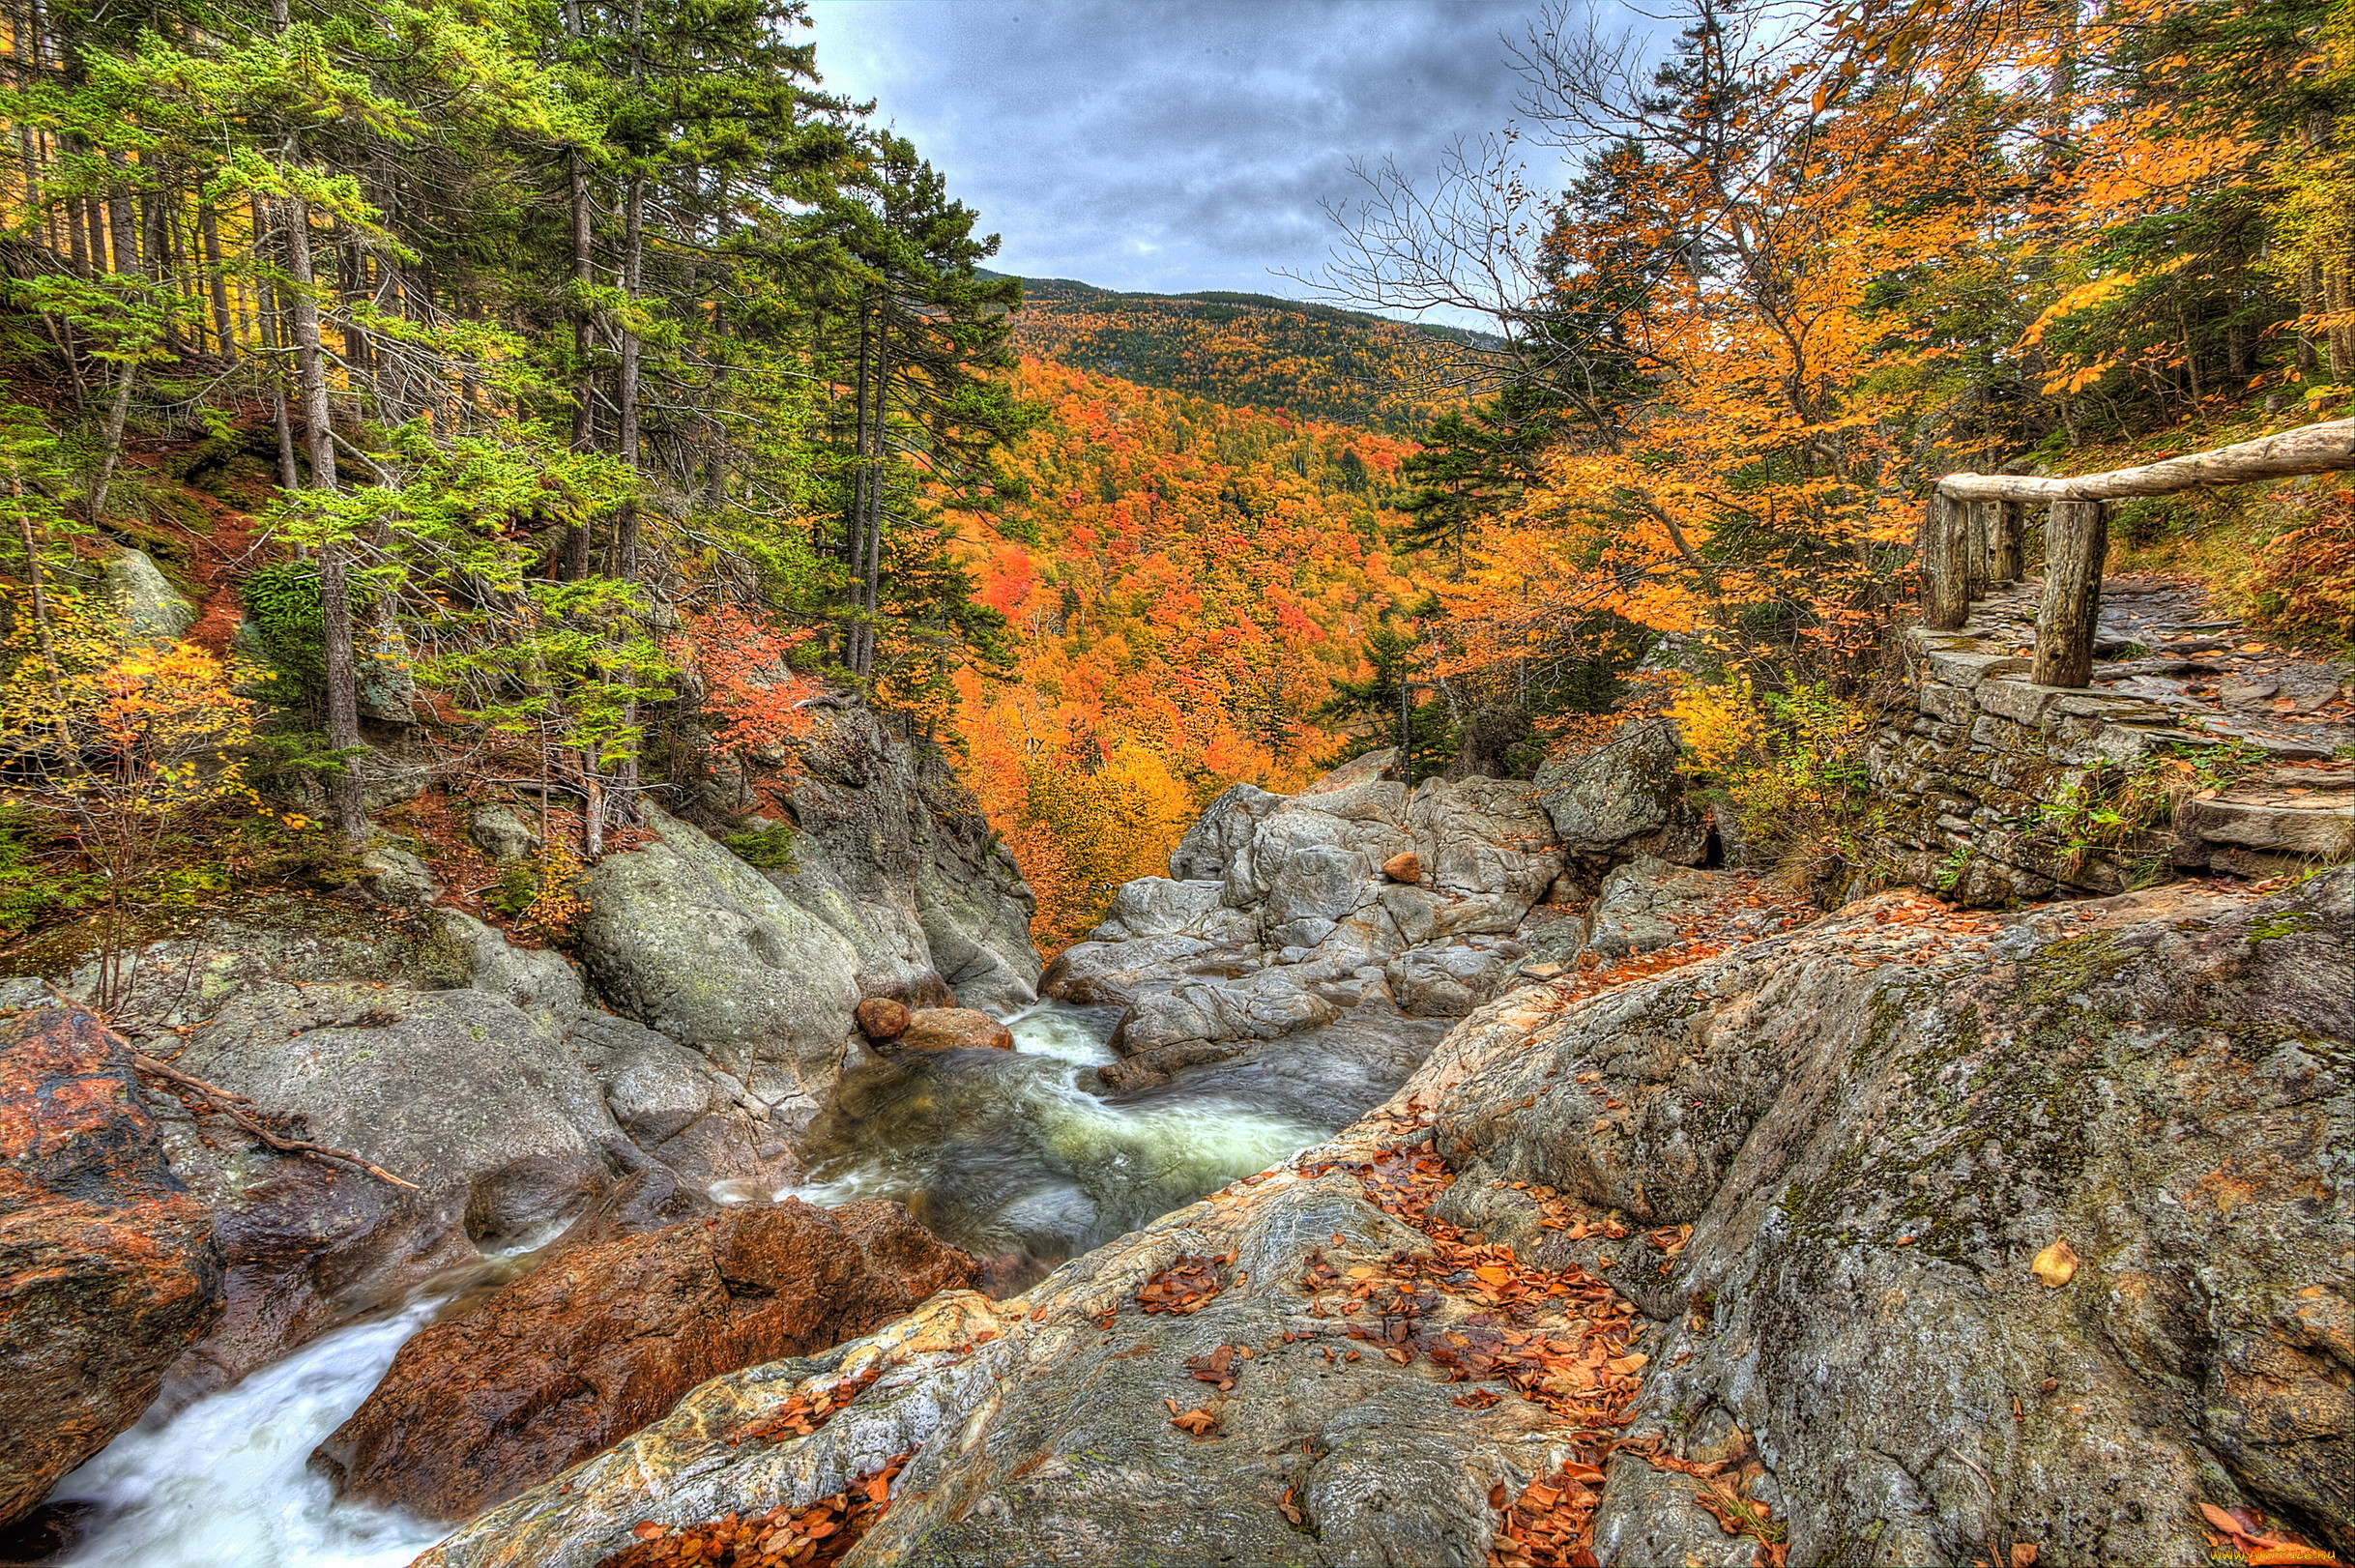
{"points": [[2057, 1264]]}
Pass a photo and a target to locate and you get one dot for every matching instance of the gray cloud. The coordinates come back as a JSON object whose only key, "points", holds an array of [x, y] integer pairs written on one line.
{"points": [[1170, 144]]}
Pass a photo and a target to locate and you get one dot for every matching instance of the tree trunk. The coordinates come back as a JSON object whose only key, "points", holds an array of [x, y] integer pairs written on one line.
{"points": [[584, 419], [217, 281], [111, 455], [633, 258], [2076, 539], [334, 581]]}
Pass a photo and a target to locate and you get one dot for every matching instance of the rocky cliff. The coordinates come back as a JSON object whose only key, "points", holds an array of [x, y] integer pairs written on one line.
{"points": [[1903, 1237]]}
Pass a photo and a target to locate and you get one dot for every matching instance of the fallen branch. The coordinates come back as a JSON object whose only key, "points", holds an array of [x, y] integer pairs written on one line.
{"points": [[222, 1102]]}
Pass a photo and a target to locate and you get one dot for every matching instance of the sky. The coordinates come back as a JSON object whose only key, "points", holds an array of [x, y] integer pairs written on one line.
{"points": [[1171, 145]]}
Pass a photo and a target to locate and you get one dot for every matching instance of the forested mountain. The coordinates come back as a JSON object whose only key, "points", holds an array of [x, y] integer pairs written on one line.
{"points": [[1309, 361]]}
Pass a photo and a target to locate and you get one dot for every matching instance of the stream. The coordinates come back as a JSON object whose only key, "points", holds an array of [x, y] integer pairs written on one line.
{"points": [[1003, 1153]]}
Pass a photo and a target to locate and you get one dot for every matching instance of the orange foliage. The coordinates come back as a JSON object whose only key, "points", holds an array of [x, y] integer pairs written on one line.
{"points": [[1184, 583], [754, 698]]}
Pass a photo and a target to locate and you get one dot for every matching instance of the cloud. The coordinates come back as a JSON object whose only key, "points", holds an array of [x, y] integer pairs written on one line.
{"points": [[1170, 144]]}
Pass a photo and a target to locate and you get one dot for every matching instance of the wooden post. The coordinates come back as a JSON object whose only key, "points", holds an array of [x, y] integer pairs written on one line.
{"points": [[2077, 538], [1945, 574], [1976, 541], [2010, 535]]}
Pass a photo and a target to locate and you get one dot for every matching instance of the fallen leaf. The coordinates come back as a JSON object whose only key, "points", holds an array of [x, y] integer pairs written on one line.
{"points": [[1196, 1422], [2057, 1264], [2023, 1554], [646, 1529]]}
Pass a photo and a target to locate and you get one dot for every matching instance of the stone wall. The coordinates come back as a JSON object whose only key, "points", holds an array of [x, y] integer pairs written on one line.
{"points": [[1972, 769]]}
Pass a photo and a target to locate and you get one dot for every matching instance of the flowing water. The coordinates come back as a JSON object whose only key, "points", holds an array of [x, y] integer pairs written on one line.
{"points": [[224, 1483], [1008, 1156], [1004, 1154]]}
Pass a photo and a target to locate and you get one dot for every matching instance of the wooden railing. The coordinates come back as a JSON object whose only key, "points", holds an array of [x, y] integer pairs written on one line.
{"points": [[1971, 533]]}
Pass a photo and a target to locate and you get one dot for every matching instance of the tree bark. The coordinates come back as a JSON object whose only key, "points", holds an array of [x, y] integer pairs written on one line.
{"points": [[2077, 538], [1945, 574], [2314, 449], [218, 281]]}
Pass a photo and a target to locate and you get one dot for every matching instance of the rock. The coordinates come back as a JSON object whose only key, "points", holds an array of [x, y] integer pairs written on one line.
{"points": [[1404, 867], [1641, 902], [880, 1018], [536, 979], [108, 1270], [1220, 834], [501, 834], [954, 1028], [395, 876], [1873, 1160], [1374, 765], [1624, 789], [893, 854], [512, 1105], [1870, 1161], [688, 939], [605, 1338], [148, 604], [1450, 981]]}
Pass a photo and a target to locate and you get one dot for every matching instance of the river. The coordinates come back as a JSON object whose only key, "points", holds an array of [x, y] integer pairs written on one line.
{"points": [[1003, 1153]]}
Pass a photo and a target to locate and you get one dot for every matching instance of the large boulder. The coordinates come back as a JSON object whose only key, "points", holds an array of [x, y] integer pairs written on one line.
{"points": [[1625, 796], [108, 1270], [1220, 834], [688, 939], [605, 1338], [150, 606], [1877, 1130]]}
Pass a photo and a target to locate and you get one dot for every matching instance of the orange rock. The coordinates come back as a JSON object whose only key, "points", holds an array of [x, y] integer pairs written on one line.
{"points": [[880, 1018], [955, 1029], [108, 1270], [1404, 867], [605, 1338]]}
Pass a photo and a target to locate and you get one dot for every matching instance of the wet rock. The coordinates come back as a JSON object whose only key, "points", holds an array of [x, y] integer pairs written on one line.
{"points": [[108, 1270], [606, 1337], [954, 1028], [880, 1018], [1404, 867]]}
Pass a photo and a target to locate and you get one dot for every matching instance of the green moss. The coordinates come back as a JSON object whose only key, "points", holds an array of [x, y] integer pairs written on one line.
{"points": [[2287, 923], [765, 849]]}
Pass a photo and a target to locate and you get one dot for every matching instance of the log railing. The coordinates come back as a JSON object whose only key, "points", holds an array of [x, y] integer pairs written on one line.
{"points": [[1972, 531]]}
